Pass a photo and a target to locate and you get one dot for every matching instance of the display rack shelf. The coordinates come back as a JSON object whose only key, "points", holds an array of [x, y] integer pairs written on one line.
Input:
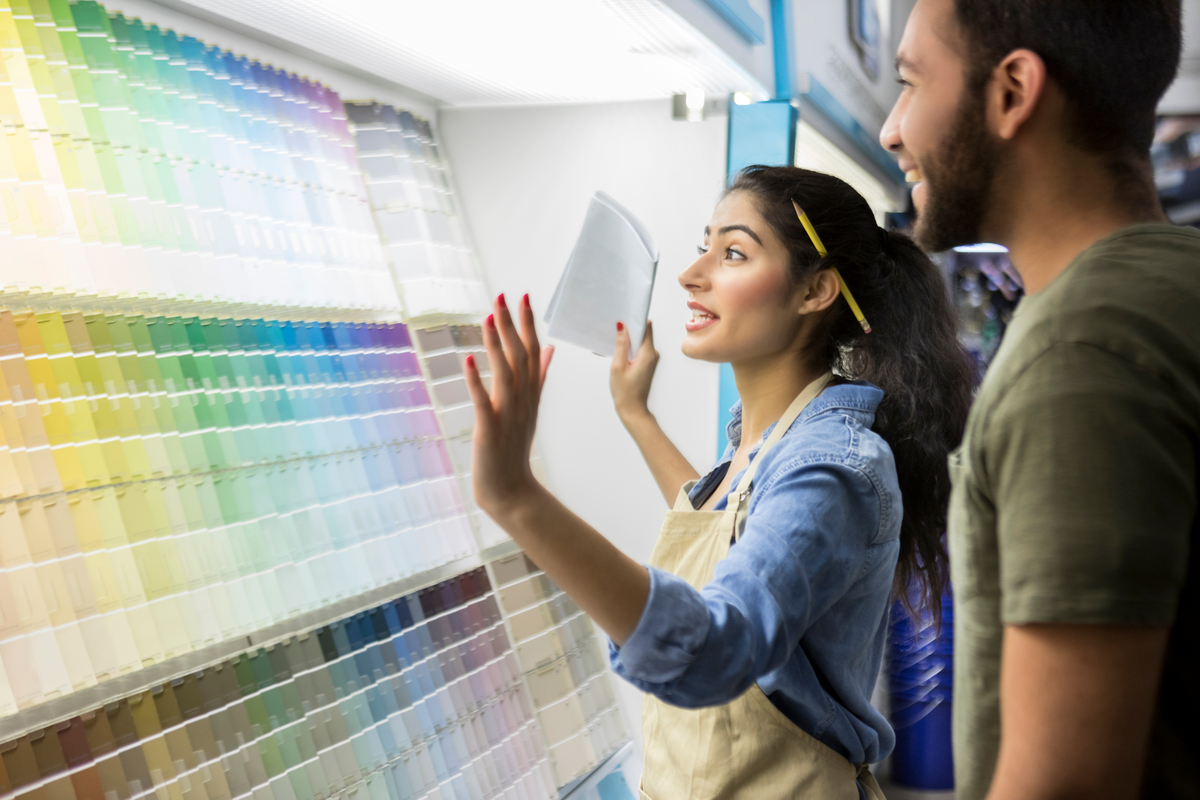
{"points": [[28, 300]]}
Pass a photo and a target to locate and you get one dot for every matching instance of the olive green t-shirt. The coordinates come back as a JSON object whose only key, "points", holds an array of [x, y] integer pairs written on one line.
{"points": [[1075, 490]]}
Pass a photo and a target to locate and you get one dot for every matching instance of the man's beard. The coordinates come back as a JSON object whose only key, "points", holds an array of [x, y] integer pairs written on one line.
{"points": [[958, 179]]}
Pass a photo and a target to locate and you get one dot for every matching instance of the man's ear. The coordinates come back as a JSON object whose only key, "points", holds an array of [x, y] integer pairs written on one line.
{"points": [[820, 293], [1017, 87]]}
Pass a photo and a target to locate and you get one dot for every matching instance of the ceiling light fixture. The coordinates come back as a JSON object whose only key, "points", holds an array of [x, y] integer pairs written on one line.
{"points": [[981, 248]]}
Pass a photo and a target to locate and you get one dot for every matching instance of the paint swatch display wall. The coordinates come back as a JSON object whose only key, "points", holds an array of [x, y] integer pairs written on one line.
{"points": [[138, 162], [238, 556]]}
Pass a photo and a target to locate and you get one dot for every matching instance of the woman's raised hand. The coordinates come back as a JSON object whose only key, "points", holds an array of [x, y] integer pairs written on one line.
{"points": [[506, 417], [629, 381]]}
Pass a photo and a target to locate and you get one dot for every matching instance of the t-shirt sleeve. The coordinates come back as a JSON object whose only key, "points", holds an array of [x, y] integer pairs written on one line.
{"points": [[1094, 478]]}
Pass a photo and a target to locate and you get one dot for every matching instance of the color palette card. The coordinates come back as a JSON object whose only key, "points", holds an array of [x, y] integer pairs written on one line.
{"points": [[443, 351]]}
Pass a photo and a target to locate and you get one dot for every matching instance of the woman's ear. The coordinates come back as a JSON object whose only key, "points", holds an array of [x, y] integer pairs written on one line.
{"points": [[819, 292]]}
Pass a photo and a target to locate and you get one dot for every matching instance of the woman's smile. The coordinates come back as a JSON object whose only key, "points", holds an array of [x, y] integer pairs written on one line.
{"points": [[701, 317]]}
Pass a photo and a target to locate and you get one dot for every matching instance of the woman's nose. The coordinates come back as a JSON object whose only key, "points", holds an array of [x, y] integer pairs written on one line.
{"points": [[694, 276]]}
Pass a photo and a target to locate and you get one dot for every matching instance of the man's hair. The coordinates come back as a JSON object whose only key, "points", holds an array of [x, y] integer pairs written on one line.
{"points": [[1113, 59]]}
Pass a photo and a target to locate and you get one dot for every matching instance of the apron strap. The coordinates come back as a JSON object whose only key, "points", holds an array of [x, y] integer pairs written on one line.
{"points": [[785, 422], [868, 786]]}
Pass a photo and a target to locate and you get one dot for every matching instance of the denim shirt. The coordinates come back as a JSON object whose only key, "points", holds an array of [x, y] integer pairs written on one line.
{"points": [[800, 604]]}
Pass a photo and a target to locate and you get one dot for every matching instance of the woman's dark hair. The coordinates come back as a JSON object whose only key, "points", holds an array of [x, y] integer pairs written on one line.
{"points": [[912, 352]]}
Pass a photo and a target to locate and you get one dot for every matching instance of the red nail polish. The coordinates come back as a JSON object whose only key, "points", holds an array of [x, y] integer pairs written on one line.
{"points": [[620, 326], [491, 321], [470, 361], [500, 299], [525, 300]]}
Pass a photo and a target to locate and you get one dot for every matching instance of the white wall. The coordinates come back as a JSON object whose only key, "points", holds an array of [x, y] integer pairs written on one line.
{"points": [[524, 177]]}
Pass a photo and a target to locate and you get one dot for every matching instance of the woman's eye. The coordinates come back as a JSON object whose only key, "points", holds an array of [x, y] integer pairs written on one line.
{"points": [[701, 249], [734, 254]]}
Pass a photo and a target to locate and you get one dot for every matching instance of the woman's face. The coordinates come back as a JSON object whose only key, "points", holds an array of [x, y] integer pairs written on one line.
{"points": [[744, 307]]}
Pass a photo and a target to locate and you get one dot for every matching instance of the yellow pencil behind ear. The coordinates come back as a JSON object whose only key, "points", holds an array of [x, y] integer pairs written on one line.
{"points": [[817, 243]]}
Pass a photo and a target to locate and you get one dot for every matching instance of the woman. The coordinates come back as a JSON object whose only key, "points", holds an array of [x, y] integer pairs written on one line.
{"points": [[759, 626]]}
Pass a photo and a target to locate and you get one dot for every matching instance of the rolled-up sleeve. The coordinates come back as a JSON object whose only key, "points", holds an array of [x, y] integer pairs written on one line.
{"points": [[805, 542], [673, 628]]}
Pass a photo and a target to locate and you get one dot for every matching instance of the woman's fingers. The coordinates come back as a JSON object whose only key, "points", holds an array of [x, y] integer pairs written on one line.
{"points": [[647, 338], [502, 376], [484, 414], [533, 347], [514, 348], [621, 357]]}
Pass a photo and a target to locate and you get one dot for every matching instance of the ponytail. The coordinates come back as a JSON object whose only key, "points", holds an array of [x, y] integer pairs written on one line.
{"points": [[914, 356], [912, 352]]}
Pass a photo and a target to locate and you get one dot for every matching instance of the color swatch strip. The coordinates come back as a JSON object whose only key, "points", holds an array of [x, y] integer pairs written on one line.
{"points": [[136, 161], [419, 697], [423, 235], [566, 673], [443, 351], [173, 483]]}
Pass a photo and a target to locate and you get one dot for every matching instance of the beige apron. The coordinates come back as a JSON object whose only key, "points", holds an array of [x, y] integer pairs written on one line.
{"points": [[746, 749]]}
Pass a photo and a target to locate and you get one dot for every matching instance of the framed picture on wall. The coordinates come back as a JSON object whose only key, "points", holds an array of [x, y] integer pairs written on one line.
{"points": [[866, 33]]}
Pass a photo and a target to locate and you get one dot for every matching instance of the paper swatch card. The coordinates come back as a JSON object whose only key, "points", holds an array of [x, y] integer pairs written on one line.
{"points": [[608, 279]]}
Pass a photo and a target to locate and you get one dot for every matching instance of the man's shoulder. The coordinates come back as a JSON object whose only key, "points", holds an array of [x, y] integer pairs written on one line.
{"points": [[1145, 265], [1134, 296], [1143, 276]]}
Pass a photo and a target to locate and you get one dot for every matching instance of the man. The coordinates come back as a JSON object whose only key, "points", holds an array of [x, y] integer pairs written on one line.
{"points": [[1073, 522]]}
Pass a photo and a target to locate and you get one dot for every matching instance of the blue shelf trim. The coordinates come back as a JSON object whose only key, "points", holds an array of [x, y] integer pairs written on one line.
{"points": [[727, 395], [783, 41], [741, 17], [761, 133]]}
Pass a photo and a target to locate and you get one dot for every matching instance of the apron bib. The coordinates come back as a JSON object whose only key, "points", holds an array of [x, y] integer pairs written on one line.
{"points": [[746, 749]]}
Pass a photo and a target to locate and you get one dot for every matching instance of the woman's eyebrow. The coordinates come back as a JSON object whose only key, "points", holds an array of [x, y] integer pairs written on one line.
{"points": [[742, 228]]}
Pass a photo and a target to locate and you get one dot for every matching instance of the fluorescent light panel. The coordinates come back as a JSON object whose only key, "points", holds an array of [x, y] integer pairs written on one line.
{"points": [[981, 248]]}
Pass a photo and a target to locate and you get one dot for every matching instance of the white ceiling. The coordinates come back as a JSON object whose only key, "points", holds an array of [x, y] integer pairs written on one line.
{"points": [[490, 52], [483, 52]]}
